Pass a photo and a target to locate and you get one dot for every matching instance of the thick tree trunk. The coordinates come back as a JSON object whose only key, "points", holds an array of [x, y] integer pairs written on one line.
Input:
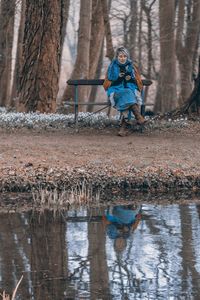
{"points": [[7, 10], [185, 49], [81, 68], [40, 72], [167, 55]]}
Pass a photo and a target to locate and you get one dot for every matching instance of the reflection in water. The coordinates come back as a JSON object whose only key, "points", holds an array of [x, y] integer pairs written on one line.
{"points": [[120, 252]]}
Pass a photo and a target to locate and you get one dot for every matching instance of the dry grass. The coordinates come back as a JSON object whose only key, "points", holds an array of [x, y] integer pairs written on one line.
{"points": [[8, 297], [54, 199]]}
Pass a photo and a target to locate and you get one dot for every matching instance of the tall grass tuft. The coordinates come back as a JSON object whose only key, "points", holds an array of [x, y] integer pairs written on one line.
{"points": [[82, 194], [6, 296]]}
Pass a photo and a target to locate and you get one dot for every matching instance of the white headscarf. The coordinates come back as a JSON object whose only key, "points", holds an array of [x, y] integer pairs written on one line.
{"points": [[123, 50]]}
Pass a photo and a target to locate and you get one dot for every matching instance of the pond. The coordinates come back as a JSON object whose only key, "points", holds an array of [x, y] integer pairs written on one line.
{"points": [[118, 252]]}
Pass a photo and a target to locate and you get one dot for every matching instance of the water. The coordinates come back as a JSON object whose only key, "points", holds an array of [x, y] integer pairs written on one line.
{"points": [[78, 254]]}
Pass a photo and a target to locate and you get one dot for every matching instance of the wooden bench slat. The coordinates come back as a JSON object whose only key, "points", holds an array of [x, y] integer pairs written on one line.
{"points": [[145, 82], [87, 103]]}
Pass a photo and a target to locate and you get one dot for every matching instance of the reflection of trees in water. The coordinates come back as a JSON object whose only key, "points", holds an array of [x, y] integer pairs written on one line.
{"points": [[36, 245], [190, 276], [99, 281], [167, 239], [14, 252], [48, 256]]}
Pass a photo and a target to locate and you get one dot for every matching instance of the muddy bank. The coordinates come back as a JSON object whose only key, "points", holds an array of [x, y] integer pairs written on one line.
{"points": [[105, 181]]}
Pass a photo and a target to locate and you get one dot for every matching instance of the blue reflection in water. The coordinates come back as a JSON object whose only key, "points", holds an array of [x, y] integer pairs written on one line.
{"points": [[117, 252]]}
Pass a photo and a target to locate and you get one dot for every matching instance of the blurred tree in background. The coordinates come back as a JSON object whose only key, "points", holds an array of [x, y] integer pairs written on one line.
{"points": [[42, 42]]}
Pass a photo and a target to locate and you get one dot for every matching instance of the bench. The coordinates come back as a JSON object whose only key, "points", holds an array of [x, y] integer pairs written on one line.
{"points": [[91, 82]]}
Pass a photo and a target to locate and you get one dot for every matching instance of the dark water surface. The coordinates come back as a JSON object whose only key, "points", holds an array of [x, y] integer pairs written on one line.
{"points": [[89, 254]]}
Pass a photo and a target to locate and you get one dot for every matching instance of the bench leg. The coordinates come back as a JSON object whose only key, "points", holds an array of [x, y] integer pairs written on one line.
{"points": [[76, 107]]}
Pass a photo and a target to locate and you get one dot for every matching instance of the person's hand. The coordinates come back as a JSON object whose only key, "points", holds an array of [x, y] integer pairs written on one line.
{"points": [[127, 77], [121, 74]]}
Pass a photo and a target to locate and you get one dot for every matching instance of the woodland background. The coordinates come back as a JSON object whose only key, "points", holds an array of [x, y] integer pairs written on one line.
{"points": [[44, 43]]}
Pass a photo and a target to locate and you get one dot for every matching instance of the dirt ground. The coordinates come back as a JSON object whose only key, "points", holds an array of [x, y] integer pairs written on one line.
{"points": [[60, 148]]}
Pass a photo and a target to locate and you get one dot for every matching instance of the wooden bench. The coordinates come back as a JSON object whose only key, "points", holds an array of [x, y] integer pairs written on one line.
{"points": [[77, 82]]}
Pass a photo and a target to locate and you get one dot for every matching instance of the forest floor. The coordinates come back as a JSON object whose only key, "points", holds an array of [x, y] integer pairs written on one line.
{"points": [[154, 161]]}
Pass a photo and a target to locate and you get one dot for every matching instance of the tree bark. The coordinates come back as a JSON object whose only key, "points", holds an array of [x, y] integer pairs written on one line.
{"points": [[40, 71], [185, 48], [7, 11], [167, 55]]}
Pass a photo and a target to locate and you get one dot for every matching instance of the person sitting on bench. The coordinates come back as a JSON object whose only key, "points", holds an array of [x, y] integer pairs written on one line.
{"points": [[124, 86]]}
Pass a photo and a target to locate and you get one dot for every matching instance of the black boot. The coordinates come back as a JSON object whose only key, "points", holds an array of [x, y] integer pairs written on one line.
{"points": [[136, 111], [124, 129]]}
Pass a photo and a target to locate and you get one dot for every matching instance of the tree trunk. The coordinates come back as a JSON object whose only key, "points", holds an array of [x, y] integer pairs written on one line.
{"points": [[194, 98], [40, 71], [65, 4], [133, 28], [147, 11], [167, 55], [19, 59], [81, 68], [185, 49], [7, 10], [109, 44], [97, 37], [140, 39], [94, 88]]}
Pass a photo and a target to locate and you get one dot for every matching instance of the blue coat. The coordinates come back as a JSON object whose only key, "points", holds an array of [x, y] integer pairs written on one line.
{"points": [[123, 91]]}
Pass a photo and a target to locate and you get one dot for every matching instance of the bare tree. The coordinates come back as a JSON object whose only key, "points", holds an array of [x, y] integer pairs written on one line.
{"points": [[41, 55], [81, 67]]}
